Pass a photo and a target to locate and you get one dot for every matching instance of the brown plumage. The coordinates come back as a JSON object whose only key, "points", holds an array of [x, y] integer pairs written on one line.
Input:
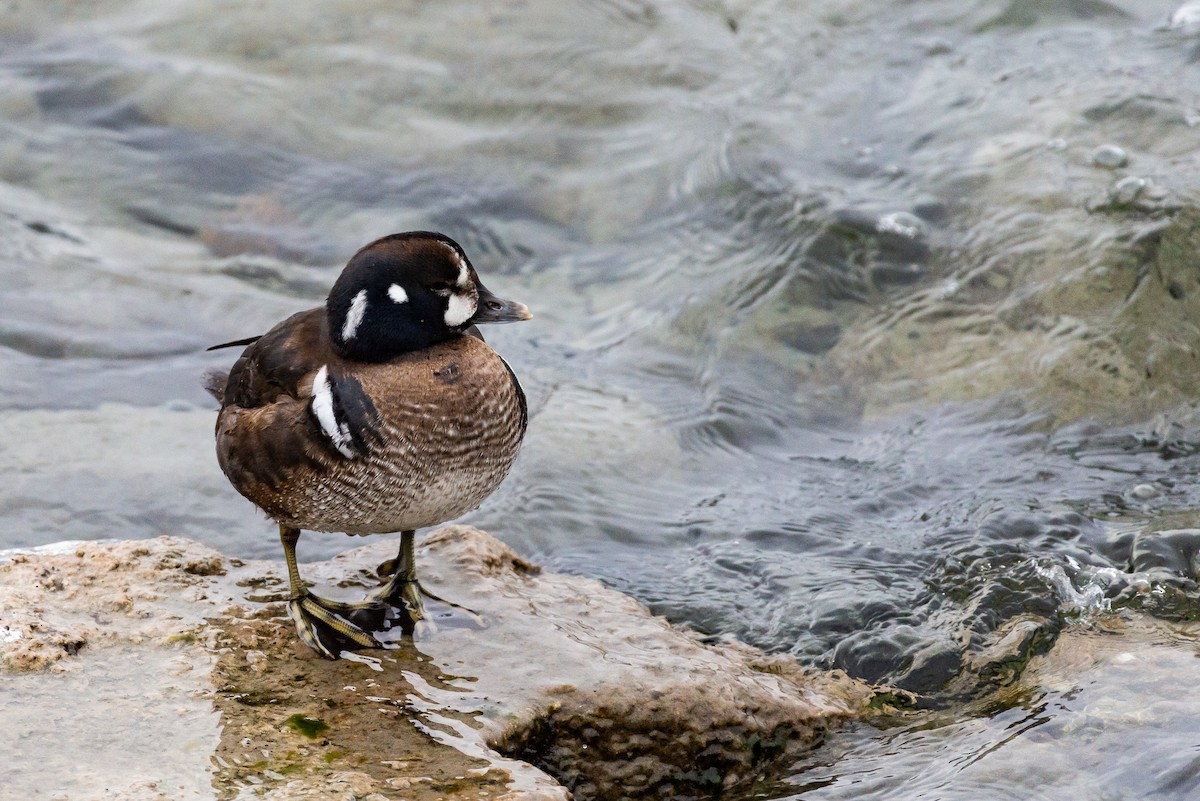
{"points": [[444, 424], [384, 411]]}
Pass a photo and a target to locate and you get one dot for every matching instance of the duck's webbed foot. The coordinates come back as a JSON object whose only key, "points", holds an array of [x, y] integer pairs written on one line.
{"points": [[404, 594], [330, 627]]}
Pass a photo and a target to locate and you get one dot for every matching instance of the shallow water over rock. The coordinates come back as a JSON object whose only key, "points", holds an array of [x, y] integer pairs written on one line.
{"points": [[864, 332], [1095, 718]]}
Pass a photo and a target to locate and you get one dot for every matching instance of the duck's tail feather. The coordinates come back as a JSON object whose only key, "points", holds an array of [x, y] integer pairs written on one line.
{"points": [[236, 342], [214, 382]]}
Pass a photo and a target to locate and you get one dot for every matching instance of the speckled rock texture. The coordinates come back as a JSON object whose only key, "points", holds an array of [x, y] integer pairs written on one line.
{"points": [[543, 687], [616, 702]]}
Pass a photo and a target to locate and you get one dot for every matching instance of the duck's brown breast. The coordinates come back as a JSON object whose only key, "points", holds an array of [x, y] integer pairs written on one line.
{"points": [[447, 424]]}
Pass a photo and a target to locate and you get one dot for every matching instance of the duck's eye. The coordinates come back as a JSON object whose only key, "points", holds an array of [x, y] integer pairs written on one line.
{"points": [[439, 288]]}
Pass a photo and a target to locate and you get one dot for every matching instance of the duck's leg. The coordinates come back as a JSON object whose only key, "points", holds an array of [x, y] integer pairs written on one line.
{"points": [[324, 625], [402, 590]]}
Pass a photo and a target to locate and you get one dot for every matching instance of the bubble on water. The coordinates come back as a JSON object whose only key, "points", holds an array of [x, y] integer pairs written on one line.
{"points": [[901, 223]]}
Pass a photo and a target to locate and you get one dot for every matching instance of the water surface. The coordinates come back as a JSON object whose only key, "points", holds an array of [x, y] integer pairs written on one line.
{"points": [[812, 284]]}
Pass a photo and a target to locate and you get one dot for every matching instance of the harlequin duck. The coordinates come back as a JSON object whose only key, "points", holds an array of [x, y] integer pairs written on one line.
{"points": [[383, 411]]}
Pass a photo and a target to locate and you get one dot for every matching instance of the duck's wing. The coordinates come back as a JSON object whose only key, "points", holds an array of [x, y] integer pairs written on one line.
{"points": [[265, 429], [215, 381], [289, 403], [280, 363]]}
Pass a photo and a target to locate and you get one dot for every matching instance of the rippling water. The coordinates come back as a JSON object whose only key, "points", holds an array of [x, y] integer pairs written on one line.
{"points": [[796, 373]]}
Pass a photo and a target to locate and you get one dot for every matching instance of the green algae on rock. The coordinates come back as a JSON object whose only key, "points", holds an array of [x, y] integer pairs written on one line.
{"points": [[309, 727]]}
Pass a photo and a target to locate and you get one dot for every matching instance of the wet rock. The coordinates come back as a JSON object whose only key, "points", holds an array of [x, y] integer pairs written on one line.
{"points": [[932, 668], [1110, 157], [1144, 492], [555, 670], [1173, 553], [1125, 191], [1010, 648], [1115, 686], [857, 253], [1133, 193], [699, 719], [808, 338], [58, 601], [1098, 716]]}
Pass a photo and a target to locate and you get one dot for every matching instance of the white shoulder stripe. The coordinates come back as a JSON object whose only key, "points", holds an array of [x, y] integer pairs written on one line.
{"points": [[358, 308], [322, 405]]}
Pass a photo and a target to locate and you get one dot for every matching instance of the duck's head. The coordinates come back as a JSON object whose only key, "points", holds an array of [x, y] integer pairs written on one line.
{"points": [[408, 291]]}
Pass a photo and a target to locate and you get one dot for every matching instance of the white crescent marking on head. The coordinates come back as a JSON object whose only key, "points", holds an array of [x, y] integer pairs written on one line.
{"points": [[459, 309], [397, 293], [464, 272], [358, 308], [322, 404]]}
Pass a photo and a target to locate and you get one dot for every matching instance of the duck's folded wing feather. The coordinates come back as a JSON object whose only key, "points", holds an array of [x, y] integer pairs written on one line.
{"points": [[260, 448], [289, 404], [281, 362]]}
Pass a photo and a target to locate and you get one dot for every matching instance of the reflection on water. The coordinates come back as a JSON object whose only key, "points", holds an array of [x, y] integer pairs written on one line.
{"points": [[796, 355]]}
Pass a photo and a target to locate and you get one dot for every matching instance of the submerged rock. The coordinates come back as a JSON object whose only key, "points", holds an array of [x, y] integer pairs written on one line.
{"points": [[150, 639], [1103, 331]]}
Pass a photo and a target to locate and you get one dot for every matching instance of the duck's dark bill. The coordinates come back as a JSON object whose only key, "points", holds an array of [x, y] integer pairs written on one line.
{"points": [[493, 309]]}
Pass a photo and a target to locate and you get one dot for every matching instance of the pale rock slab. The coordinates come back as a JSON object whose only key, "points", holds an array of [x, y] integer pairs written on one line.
{"points": [[160, 668]]}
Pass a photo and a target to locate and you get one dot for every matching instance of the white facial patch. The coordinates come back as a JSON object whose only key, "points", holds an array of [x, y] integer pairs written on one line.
{"points": [[459, 308], [322, 405], [397, 293], [358, 307]]}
